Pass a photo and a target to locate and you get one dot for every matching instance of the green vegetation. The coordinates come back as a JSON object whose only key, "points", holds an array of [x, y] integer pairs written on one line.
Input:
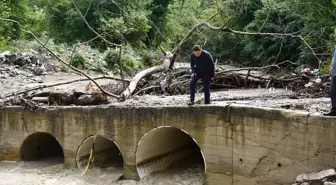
{"points": [[143, 25]]}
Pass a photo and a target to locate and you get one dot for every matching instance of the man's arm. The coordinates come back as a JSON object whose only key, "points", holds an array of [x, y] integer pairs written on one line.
{"points": [[211, 66], [192, 65]]}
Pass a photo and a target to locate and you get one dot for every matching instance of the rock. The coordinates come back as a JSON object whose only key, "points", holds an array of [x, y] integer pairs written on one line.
{"points": [[315, 176], [301, 178], [329, 183], [83, 99], [321, 175]]}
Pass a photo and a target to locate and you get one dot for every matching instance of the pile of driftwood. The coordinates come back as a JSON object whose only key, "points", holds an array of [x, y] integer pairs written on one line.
{"points": [[176, 82]]}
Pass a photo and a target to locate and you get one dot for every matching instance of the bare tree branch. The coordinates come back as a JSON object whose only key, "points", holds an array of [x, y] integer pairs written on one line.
{"points": [[190, 33], [147, 88], [254, 68], [229, 30]]}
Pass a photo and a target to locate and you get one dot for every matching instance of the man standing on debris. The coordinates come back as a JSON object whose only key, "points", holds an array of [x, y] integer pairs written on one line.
{"points": [[202, 67], [333, 83]]}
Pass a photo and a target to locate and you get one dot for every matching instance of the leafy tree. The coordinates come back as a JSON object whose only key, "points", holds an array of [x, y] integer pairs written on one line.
{"points": [[125, 21], [158, 20], [266, 49], [65, 24], [15, 10], [319, 21], [243, 11], [143, 25]]}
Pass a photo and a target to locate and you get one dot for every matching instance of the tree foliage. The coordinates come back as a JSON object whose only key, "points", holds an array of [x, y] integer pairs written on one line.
{"points": [[143, 25], [266, 49]]}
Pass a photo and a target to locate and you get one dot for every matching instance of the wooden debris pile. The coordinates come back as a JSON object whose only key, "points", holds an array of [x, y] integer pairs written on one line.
{"points": [[30, 61], [177, 82]]}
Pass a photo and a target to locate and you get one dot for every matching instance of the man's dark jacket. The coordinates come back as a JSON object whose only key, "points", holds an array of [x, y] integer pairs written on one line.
{"points": [[203, 65]]}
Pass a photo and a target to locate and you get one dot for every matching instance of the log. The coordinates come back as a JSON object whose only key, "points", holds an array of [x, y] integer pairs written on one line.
{"points": [[147, 72]]}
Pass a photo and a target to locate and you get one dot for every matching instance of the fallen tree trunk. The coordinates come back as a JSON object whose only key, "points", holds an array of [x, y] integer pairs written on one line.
{"points": [[147, 72]]}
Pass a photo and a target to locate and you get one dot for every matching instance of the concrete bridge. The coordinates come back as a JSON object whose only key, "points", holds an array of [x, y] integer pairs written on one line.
{"points": [[235, 144]]}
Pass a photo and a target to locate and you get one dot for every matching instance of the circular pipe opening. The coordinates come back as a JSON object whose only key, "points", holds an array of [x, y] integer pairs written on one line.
{"points": [[41, 146], [107, 159], [171, 150]]}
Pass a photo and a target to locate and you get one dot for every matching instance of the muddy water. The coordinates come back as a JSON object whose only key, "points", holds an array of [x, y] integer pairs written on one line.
{"points": [[52, 173]]}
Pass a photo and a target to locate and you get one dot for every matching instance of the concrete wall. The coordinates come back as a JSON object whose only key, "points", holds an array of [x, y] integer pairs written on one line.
{"points": [[160, 148], [106, 152], [160, 141], [241, 145]]}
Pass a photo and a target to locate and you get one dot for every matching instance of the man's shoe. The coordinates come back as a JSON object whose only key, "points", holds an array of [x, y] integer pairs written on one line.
{"points": [[191, 103], [330, 114]]}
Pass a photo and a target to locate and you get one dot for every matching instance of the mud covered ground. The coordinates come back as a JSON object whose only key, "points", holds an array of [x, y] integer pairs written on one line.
{"points": [[18, 75], [274, 98], [278, 98]]}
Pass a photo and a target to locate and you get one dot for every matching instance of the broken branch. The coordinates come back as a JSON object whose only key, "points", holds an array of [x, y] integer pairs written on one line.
{"points": [[142, 74]]}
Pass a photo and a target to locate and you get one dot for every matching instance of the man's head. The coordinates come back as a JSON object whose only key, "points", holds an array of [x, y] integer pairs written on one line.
{"points": [[197, 50]]}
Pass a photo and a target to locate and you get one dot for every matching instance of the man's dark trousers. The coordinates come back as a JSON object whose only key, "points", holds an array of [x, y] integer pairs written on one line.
{"points": [[206, 88], [333, 94]]}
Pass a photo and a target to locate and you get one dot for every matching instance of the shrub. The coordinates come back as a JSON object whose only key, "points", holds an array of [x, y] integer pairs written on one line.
{"points": [[325, 68], [129, 61], [149, 58], [79, 61], [130, 64], [111, 58]]}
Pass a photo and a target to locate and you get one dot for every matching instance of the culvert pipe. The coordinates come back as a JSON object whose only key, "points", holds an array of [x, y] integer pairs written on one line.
{"points": [[163, 147], [41, 146], [106, 154]]}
